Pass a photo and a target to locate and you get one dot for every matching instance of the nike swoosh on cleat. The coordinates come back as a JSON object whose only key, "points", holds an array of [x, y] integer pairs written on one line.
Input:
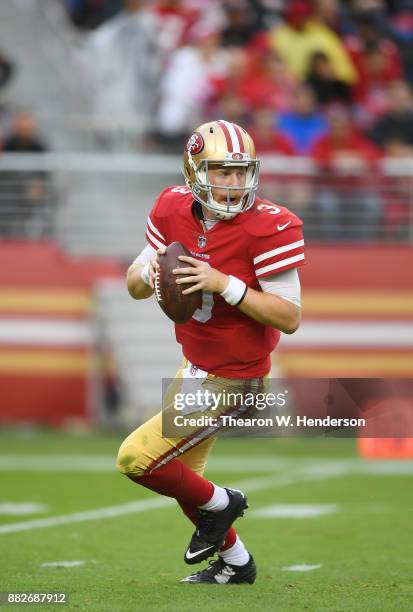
{"points": [[282, 227], [190, 555]]}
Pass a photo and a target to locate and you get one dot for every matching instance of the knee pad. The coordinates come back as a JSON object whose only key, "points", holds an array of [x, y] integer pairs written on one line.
{"points": [[130, 461]]}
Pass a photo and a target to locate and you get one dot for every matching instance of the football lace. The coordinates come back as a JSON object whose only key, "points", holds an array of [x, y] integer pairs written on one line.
{"points": [[157, 285]]}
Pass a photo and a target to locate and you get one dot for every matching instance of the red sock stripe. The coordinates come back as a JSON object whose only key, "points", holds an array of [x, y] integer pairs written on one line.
{"points": [[227, 135], [239, 136], [230, 539]]}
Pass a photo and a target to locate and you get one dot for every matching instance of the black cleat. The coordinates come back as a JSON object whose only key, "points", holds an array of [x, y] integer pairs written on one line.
{"points": [[219, 572], [212, 527]]}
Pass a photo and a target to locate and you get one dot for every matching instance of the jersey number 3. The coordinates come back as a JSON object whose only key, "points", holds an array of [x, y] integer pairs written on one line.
{"points": [[203, 314]]}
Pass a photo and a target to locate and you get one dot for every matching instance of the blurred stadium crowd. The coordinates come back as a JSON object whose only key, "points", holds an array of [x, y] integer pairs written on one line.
{"points": [[327, 80], [281, 68]]}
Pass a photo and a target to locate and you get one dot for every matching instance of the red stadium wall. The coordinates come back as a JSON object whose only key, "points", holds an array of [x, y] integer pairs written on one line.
{"points": [[48, 358], [365, 290], [47, 353], [346, 267]]}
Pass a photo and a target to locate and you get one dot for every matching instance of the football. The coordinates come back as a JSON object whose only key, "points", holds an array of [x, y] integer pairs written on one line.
{"points": [[175, 305]]}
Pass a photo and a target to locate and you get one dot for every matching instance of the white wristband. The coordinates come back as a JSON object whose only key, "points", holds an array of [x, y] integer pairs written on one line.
{"points": [[145, 274], [235, 291]]}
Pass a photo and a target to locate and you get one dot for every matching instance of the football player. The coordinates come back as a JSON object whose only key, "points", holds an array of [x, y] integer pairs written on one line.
{"points": [[244, 257]]}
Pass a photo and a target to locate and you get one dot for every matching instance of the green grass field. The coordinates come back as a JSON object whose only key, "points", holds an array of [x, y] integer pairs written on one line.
{"points": [[363, 542]]}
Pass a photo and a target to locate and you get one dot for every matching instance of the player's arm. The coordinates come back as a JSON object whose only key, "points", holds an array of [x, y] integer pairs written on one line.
{"points": [[266, 308], [137, 287], [140, 276], [271, 310], [277, 251]]}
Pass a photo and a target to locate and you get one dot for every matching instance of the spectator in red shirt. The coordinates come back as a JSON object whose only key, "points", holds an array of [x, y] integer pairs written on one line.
{"points": [[257, 78], [263, 130], [230, 107], [268, 83], [282, 186], [369, 36], [378, 62], [348, 202], [372, 91]]}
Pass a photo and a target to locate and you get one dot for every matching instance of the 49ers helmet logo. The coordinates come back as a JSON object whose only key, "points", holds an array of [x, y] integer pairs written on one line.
{"points": [[195, 144]]}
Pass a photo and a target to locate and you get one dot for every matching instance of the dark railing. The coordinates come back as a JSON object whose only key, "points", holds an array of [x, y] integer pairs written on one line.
{"points": [[373, 207]]}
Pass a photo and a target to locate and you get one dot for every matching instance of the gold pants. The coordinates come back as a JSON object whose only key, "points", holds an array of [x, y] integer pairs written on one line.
{"points": [[145, 449]]}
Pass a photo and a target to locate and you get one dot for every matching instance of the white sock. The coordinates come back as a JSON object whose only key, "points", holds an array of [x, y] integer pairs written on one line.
{"points": [[237, 554], [219, 500]]}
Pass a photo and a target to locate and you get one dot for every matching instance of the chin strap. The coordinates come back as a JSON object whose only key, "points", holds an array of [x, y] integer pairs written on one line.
{"points": [[198, 210]]}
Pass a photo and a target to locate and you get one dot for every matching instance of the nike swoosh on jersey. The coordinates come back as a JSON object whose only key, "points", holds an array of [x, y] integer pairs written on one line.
{"points": [[280, 228], [189, 555]]}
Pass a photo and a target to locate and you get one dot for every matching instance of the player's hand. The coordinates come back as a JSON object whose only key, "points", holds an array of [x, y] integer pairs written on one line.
{"points": [[202, 275], [154, 266]]}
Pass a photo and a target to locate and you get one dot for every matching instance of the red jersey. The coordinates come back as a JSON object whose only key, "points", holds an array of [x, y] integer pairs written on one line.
{"points": [[263, 241]]}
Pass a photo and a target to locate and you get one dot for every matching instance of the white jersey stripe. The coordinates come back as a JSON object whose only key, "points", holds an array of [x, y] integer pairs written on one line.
{"points": [[152, 238], [274, 252], [233, 135], [153, 228], [280, 264]]}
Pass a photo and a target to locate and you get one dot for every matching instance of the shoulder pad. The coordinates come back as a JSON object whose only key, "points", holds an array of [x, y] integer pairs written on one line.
{"points": [[173, 198], [268, 218]]}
